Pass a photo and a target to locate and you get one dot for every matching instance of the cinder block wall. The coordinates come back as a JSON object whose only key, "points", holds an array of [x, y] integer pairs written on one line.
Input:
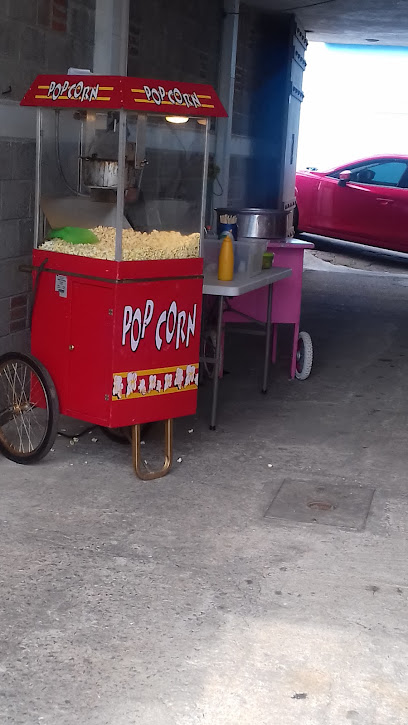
{"points": [[264, 56], [40, 36], [178, 41], [16, 239], [181, 40], [175, 39], [36, 36]]}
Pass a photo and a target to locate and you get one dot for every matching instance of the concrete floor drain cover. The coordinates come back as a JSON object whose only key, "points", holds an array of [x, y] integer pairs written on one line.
{"points": [[319, 503]]}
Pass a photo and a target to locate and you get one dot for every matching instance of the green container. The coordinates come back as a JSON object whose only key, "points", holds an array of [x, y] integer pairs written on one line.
{"points": [[267, 260], [74, 235]]}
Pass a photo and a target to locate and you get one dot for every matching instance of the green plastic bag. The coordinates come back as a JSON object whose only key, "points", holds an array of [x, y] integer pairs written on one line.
{"points": [[74, 235]]}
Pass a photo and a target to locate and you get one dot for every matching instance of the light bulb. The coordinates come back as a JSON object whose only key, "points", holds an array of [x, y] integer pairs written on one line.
{"points": [[177, 119]]}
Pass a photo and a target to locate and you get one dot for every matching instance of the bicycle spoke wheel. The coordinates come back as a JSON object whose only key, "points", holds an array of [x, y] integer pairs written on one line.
{"points": [[28, 408]]}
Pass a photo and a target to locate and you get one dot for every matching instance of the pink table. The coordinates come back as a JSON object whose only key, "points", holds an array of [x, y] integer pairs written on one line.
{"points": [[231, 290], [286, 299]]}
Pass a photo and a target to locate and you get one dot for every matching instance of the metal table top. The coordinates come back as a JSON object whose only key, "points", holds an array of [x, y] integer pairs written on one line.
{"points": [[242, 284]]}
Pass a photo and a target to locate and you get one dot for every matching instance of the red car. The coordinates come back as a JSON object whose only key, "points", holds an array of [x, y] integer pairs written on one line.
{"points": [[364, 201]]}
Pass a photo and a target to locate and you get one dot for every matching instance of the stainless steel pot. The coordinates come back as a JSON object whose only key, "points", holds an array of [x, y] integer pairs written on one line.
{"points": [[258, 223], [103, 173]]}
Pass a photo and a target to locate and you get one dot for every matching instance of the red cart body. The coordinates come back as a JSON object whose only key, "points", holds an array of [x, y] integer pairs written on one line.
{"points": [[117, 342], [120, 339]]}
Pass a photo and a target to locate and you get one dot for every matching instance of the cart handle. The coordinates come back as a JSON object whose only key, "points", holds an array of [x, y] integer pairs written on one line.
{"points": [[29, 268], [140, 465]]}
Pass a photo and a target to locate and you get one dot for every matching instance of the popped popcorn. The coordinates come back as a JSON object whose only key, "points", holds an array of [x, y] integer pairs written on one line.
{"points": [[190, 375], [117, 386], [135, 245], [178, 380], [131, 383], [142, 387], [168, 381]]}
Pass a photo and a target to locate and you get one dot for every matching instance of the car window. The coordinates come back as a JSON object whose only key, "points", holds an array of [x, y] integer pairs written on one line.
{"points": [[379, 173]]}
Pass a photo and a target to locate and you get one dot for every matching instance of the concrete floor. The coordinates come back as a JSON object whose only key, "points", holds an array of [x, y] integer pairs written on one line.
{"points": [[177, 602]]}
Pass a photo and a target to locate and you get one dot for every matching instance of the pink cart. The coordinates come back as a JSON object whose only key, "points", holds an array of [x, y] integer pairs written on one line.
{"points": [[286, 305]]}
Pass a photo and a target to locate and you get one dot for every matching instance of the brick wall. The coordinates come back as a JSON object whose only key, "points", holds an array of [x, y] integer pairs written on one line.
{"points": [[181, 40], [260, 106], [177, 40], [36, 36], [40, 36], [17, 160]]}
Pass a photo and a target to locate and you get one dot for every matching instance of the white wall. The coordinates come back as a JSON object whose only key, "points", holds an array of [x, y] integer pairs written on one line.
{"points": [[356, 104]]}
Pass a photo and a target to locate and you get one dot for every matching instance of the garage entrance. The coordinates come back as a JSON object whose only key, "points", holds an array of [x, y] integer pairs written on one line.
{"points": [[264, 581]]}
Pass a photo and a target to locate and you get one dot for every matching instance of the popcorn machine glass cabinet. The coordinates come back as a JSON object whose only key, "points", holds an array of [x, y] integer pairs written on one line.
{"points": [[119, 200], [121, 170], [126, 307]]}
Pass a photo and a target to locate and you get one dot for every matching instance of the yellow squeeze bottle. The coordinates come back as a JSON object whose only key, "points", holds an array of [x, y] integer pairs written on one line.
{"points": [[226, 258]]}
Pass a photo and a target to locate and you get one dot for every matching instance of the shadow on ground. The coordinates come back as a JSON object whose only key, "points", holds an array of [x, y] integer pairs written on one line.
{"points": [[178, 602]]}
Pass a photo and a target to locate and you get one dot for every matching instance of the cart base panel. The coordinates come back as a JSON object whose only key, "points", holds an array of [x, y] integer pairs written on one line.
{"points": [[119, 339]]}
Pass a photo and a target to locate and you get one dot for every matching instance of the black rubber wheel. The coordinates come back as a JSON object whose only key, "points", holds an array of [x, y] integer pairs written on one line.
{"points": [[29, 409], [124, 435], [296, 221], [119, 435], [304, 356]]}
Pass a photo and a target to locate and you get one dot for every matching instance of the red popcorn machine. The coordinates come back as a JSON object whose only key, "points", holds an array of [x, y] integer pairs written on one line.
{"points": [[121, 178]]}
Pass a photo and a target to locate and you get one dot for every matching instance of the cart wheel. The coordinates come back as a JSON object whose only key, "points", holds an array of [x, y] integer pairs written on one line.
{"points": [[304, 356], [29, 408], [119, 435], [124, 434]]}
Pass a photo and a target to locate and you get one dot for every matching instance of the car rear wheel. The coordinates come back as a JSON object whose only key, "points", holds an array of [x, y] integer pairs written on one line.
{"points": [[296, 221]]}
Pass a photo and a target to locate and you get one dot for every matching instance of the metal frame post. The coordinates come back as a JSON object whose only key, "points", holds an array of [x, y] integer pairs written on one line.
{"points": [[216, 379], [226, 92], [37, 198], [111, 37], [267, 340], [120, 192], [204, 185]]}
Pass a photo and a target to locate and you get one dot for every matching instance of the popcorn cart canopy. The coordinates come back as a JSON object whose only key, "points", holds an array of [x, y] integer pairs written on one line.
{"points": [[133, 94]]}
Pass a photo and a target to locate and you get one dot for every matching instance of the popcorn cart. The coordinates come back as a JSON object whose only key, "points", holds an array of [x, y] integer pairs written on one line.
{"points": [[121, 177]]}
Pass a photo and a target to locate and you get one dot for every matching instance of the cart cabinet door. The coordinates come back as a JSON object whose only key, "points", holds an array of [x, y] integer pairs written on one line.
{"points": [[156, 350], [50, 328], [90, 351]]}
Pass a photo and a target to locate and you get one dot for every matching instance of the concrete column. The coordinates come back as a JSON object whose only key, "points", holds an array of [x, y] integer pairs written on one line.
{"points": [[111, 37], [226, 92]]}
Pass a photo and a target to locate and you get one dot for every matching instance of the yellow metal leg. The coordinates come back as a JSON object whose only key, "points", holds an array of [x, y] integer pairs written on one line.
{"points": [[138, 463]]}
